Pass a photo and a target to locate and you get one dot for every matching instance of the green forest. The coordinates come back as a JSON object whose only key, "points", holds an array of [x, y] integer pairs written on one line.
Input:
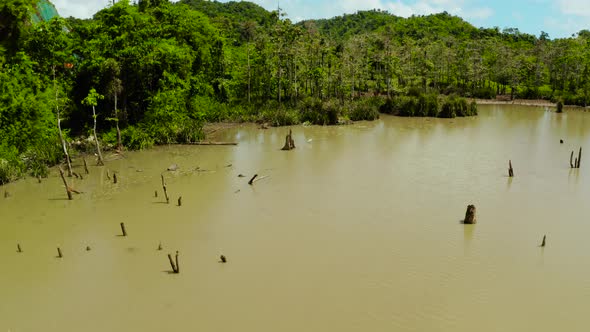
{"points": [[155, 72]]}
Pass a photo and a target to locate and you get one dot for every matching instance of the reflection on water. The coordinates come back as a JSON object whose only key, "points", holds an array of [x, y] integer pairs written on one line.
{"points": [[356, 230]]}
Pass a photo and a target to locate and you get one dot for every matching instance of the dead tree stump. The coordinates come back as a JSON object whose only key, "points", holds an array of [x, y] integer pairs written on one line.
{"points": [[470, 215], [510, 170], [289, 142], [68, 189]]}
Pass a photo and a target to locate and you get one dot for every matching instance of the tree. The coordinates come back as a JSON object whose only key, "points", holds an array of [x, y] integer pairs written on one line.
{"points": [[92, 100]]}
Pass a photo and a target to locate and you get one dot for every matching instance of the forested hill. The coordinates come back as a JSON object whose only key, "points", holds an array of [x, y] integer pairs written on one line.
{"points": [[156, 71]]}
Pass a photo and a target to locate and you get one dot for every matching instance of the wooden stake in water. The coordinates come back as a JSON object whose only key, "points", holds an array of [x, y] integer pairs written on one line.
{"points": [[172, 263], [180, 201], [510, 170], [543, 243], [18, 249], [252, 179], [69, 192], [59, 255], [123, 229], [114, 178], [177, 265]]}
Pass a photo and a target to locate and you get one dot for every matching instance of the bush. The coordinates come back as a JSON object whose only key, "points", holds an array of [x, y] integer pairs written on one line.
{"points": [[363, 109], [136, 139], [484, 93], [453, 106]]}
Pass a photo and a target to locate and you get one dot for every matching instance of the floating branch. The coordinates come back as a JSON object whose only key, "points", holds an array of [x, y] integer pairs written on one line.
{"points": [[510, 170], [68, 189], [252, 179], [123, 229], [289, 143], [470, 215]]}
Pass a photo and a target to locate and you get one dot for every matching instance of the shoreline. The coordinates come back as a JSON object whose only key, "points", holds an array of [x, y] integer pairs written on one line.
{"points": [[523, 102]]}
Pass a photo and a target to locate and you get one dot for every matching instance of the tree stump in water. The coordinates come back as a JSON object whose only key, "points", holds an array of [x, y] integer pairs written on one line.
{"points": [[470, 215], [289, 143]]}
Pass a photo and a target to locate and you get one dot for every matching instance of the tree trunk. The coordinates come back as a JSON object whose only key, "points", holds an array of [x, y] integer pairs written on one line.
{"points": [[119, 144], [249, 75], [61, 137], [100, 160]]}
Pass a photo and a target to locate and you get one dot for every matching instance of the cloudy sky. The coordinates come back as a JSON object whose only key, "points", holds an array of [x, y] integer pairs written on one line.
{"points": [[559, 18]]}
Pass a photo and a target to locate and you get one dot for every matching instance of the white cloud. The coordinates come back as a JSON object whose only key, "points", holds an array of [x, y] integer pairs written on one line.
{"points": [[575, 7]]}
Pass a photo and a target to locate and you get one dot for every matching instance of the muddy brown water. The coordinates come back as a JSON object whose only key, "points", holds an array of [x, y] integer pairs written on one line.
{"points": [[358, 229]]}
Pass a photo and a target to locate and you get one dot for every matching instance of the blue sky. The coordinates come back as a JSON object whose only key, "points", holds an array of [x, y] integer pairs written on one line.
{"points": [[559, 18]]}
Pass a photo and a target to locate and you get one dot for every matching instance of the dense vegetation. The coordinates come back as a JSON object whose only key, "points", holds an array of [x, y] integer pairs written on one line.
{"points": [[163, 69]]}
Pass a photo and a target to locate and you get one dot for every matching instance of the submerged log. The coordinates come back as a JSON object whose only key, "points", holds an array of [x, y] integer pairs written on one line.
{"points": [[68, 189], [470, 215], [289, 142], [510, 170]]}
